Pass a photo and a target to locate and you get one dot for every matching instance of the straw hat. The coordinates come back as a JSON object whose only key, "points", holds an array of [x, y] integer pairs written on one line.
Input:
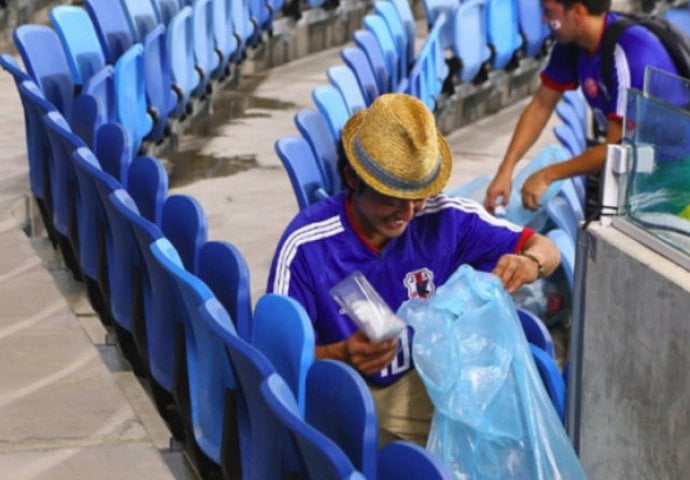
{"points": [[395, 148]]}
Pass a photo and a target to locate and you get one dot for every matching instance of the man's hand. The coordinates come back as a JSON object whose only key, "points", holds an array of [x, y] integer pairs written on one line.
{"points": [[366, 356], [499, 187], [533, 188], [515, 271]]}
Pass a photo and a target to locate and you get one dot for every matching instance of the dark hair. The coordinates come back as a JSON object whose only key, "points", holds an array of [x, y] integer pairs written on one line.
{"points": [[594, 7]]}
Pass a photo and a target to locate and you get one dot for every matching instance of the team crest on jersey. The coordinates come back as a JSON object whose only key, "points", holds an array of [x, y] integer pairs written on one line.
{"points": [[591, 87], [420, 283]]}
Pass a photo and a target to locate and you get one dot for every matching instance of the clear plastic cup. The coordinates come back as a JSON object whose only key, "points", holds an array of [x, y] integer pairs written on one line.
{"points": [[366, 308]]}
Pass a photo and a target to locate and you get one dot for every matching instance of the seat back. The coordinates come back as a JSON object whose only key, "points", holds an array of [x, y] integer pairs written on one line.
{"points": [[46, 63], [147, 184], [315, 130], [354, 428], [407, 461], [377, 26], [366, 40], [535, 331], [223, 268], [205, 56], [356, 59], [321, 456], [302, 167], [261, 14], [283, 332], [389, 13], [551, 377], [404, 11], [184, 222], [165, 10], [434, 8], [160, 96], [562, 214], [343, 78], [224, 38], [568, 114], [101, 86], [429, 70], [502, 30], [180, 48], [568, 139], [130, 95], [565, 245], [112, 27], [332, 106], [241, 20], [532, 27], [470, 41], [141, 16], [79, 41]]}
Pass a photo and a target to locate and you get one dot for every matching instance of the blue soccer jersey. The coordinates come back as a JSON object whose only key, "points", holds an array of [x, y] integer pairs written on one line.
{"points": [[570, 65], [321, 247]]}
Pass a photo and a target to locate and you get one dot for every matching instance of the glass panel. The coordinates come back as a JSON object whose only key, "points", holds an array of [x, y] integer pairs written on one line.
{"points": [[657, 196], [667, 86]]}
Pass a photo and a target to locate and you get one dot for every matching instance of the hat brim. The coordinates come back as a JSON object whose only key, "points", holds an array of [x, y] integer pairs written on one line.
{"points": [[434, 187]]}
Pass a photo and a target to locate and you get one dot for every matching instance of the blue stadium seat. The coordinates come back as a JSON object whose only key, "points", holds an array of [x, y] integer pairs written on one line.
{"points": [[147, 184], [85, 118], [573, 119], [205, 56], [386, 10], [46, 63], [166, 10], [185, 224], [366, 40], [332, 106], [429, 70], [564, 215], [79, 41], [577, 100], [535, 331], [223, 268], [180, 48], [225, 41], [302, 167], [377, 25], [474, 189], [356, 59], [551, 377], [112, 26], [130, 95], [565, 245], [354, 428], [404, 11], [503, 31], [315, 130], [141, 16], [244, 28], [680, 17], [322, 457], [101, 86], [532, 27], [434, 8], [470, 41], [161, 98], [407, 461], [569, 139], [343, 78], [283, 332], [261, 15]]}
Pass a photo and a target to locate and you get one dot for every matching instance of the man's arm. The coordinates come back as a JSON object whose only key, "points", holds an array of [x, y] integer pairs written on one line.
{"points": [[530, 125], [539, 256], [367, 357]]}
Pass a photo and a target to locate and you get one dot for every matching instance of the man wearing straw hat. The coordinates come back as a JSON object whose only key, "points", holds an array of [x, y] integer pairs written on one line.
{"points": [[393, 225]]}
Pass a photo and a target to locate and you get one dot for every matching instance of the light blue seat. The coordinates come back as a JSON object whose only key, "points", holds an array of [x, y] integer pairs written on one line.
{"points": [[386, 10], [571, 192], [566, 246], [261, 14], [160, 96], [406, 461], [180, 48], [344, 79], [577, 100], [225, 41], [503, 32], [535, 331], [680, 17], [404, 11], [321, 456], [356, 59], [185, 224], [332, 106], [112, 26], [354, 427], [430, 69], [282, 330], [315, 130], [141, 16], [166, 10], [552, 379], [432, 9], [130, 95], [244, 28], [79, 40], [377, 25], [46, 63], [470, 40], [303, 170], [564, 216], [147, 184], [532, 26], [206, 57], [474, 189], [366, 40], [569, 139], [101, 86], [223, 268], [569, 115]]}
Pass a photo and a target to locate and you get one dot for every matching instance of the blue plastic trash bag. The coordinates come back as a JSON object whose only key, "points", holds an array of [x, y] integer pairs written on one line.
{"points": [[493, 418]]}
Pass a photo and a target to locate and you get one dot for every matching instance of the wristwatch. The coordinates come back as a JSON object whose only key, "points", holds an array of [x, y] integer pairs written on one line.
{"points": [[540, 266]]}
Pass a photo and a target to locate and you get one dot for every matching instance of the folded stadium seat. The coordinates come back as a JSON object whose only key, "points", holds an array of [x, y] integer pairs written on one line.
{"points": [[569, 115], [130, 95], [206, 57], [37, 145], [432, 9], [79, 41], [161, 98], [377, 25], [566, 246], [533, 29], [261, 15], [552, 379], [315, 130], [386, 10], [147, 184], [283, 332], [565, 215], [95, 105], [46, 63], [180, 48], [503, 33], [470, 41], [321, 456], [244, 28], [535, 331], [680, 17], [569, 139], [165, 10], [407, 461], [112, 26], [184, 223], [332, 106], [344, 79], [429, 71], [303, 170], [577, 100], [225, 40], [345, 412], [404, 11], [223, 268], [141, 16], [366, 40], [356, 59]]}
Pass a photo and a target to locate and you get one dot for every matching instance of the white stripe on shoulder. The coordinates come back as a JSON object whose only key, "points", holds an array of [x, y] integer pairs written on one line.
{"points": [[624, 78], [441, 202], [308, 233]]}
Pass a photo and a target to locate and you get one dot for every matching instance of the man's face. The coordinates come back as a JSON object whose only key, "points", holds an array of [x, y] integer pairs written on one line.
{"points": [[380, 217], [560, 20]]}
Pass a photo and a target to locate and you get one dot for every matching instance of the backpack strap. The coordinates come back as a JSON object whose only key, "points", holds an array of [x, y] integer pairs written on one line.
{"points": [[611, 35]]}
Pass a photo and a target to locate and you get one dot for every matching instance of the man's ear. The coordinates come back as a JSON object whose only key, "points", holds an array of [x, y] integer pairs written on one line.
{"points": [[351, 177]]}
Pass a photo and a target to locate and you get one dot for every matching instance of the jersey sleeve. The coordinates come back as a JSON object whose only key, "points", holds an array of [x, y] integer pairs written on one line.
{"points": [[561, 70]]}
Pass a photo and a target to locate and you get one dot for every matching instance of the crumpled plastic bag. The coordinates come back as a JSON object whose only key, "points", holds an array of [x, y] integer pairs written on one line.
{"points": [[493, 418]]}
